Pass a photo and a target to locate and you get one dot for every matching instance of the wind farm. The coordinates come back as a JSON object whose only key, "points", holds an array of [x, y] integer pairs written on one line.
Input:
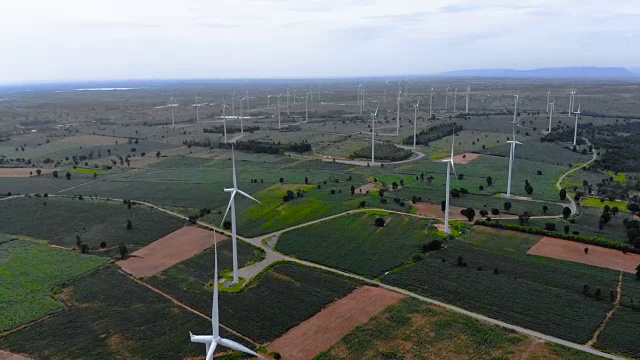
{"points": [[291, 233]]}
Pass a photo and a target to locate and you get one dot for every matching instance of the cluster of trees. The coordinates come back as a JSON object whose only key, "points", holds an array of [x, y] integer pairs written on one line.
{"points": [[290, 195], [438, 132], [384, 151], [230, 129], [269, 148]]}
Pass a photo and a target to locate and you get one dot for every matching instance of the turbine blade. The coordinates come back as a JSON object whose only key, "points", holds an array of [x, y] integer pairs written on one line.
{"points": [[247, 195], [235, 346], [233, 160], [212, 349], [228, 207], [453, 167]]}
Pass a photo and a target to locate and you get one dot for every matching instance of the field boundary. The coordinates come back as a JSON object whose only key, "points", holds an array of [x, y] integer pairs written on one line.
{"points": [[609, 315]]}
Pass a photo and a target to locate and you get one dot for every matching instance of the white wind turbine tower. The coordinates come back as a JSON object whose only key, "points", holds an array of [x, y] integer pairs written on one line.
{"points": [[268, 103], [415, 122], [213, 340], [172, 103], [398, 112], [233, 107], [450, 166], [446, 98], [548, 99], [287, 101], [466, 107], [306, 107], [575, 131], [278, 96], [241, 127], [232, 207], [430, 104], [455, 98], [571, 94], [197, 104], [551, 106], [224, 120], [359, 89], [246, 94], [513, 143], [373, 135], [384, 94]]}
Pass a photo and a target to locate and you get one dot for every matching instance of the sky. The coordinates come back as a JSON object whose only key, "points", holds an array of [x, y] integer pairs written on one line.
{"points": [[76, 40]]}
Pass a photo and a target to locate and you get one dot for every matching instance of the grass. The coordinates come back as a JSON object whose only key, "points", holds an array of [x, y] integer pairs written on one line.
{"points": [[111, 317], [594, 202], [62, 219], [30, 271], [353, 243], [87, 171], [560, 308], [284, 295]]}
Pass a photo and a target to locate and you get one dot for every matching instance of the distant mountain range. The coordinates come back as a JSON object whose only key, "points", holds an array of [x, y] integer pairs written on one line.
{"points": [[559, 72]]}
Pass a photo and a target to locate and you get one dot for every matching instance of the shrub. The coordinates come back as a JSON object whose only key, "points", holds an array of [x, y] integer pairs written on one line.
{"points": [[432, 245], [550, 226], [379, 222]]}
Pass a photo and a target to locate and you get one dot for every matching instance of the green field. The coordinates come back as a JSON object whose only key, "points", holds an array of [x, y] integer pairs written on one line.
{"points": [[415, 330], [112, 317], [62, 219], [620, 334], [355, 244], [560, 309], [29, 271], [593, 202], [280, 299]]}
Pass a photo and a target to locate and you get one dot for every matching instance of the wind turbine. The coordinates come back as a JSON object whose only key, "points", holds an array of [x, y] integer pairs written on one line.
{"points": [[268, 104], [306, 107], [373, 135], [455, 98], [246, 94], [213, 340], [446, 99], [515, 109], [575, 131], [415, 122], [233, 107], [224, 120], [172, 103], [232, 207], [450, 166], [197, 104], [358, 101], [241, 127], [573, 98], [398, 112], [294, 94], [466, 107], [430, 103], [513, 143], [548, 98], [279, 110], [384, 94], [551, 106], [287, 101]]}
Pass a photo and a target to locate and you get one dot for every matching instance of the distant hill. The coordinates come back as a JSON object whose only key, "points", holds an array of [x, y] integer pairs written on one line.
{"points": [[560, 72], [635, 70]]}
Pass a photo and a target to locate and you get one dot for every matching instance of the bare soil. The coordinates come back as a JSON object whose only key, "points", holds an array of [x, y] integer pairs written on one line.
{"points": [[463, 158], [365, 188], [22, 173], [597, 256], [5, 355], [163, 253], [327, 327]]}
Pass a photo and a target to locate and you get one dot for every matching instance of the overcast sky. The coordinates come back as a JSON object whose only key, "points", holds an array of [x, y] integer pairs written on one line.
{"points": [[46, 40]]}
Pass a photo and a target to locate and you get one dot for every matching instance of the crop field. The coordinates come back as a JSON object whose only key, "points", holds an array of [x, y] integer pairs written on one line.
{"points": [[593, 202], [619, 334], [29, 272], [62, 219], [415, 330], [280, 299], [355, 244], [560, 308], [110, 316], [43, 184]]}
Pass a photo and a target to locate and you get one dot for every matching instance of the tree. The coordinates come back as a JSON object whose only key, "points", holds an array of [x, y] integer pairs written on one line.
{"points": [[432, 245], [601, 223], [78, 240], [122, 248], [563, 194], [638, 272], [306, 180], [489, 181], [281, 180], [633, 207], [566, 212], [84, 248], [615, 210], [226, 225], [430, 179], [545, 209], [606, 217], [157, 154], [550, 226], [586, 250], [598, 293], [129, 225], [55, 173], [524, 217], [585, 289], [38, 172], [469, 213], [443, 205], [103, 245], [362, 204], [68, 175], [353, 189], [567, 229], [529, 189], [507, 206], [379, 222]]}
